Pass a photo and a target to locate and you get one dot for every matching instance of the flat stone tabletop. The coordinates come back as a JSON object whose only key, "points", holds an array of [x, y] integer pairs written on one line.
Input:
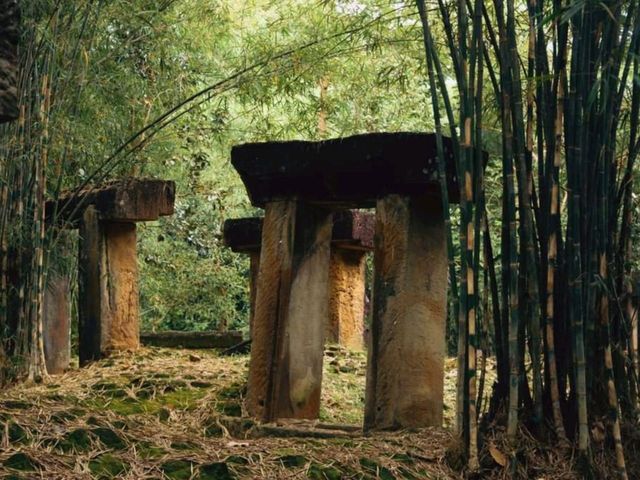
{"points": [[350, 172]]}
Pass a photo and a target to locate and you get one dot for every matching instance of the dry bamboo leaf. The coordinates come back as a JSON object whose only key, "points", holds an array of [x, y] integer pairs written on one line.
{"points": [[499, 457]]}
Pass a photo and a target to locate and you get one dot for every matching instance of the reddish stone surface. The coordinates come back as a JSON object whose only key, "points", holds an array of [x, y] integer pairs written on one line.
{"points": [[57, 324]]}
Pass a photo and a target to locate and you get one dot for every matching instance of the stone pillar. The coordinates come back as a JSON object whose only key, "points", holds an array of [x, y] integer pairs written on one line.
{"points": [[346, 298], [254, 268], [57, 324], [405, 378], [285, 371], [108, 287]]}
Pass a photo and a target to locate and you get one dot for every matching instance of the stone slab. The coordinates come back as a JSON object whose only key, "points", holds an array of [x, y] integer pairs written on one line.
{"points": [[128, 200], [351, 172], [177, 339]]}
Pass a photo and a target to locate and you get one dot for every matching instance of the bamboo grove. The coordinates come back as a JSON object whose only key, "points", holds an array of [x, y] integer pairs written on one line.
{"points": [[564, 77], [49, 89]]}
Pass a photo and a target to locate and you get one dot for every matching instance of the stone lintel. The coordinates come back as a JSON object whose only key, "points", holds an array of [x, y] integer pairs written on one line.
{"points": [[128, 200], [352, 229], [351, 172]]}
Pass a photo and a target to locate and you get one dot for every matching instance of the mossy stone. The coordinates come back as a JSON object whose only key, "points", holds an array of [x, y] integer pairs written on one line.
{"points": [[64, 416], [409, 475], [178, 469], [94, 421], [323, 472], [107, 466], [15, 405], [404, 458], [213, 430], [183, 446], [293, 461], [232, 391], [164, 414], [230, 408], [374, 468], [17, 433], [55, 397], [148, 450], [78, 440], [109, 438], [215, 471], [21, 461], [200, 384], [104, 386]]}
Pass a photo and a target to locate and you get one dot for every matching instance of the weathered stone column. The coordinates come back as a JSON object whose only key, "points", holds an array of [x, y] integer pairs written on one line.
{"points": [[108, 293], [346, 297], [405, 377], [285, 371], [57, 324]]}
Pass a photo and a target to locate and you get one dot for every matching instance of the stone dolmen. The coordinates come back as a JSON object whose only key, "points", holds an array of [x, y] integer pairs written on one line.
{"points": [[300, 185], [352, 238], [108, 267]]}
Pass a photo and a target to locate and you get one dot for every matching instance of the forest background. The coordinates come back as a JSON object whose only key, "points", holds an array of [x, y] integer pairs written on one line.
{"points": [[284, 70]]}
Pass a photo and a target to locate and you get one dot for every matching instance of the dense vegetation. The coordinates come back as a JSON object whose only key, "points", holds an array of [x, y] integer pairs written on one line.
{"points": [[541, 249]]}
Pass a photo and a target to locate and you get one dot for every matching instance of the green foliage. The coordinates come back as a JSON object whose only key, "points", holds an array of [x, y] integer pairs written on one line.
{"points": [[138, 59]]}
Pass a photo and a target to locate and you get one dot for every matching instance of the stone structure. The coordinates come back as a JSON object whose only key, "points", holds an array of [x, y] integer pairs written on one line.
{"points": [[300, 184], [108, 266], [57, 323], [243, 235], [352, 238], [9, 36]]}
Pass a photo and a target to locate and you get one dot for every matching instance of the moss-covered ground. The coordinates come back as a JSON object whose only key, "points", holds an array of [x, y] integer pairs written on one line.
{"points": [[159, 414]]}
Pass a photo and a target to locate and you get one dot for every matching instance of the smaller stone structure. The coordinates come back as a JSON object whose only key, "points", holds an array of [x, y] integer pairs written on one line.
{"points": [[108, 266], [57, 323], [352, 238]]}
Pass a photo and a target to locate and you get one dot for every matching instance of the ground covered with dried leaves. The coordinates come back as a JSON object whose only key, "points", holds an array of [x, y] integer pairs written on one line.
{"points": [[169, 414]]}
